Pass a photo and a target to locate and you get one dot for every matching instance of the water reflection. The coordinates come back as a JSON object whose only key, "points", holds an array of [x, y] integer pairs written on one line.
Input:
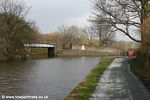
{"points": [[54, 77]]}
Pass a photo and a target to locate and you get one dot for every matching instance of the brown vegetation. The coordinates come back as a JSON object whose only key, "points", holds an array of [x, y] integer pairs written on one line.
{"points": [[14, 29], [71, 35], [142, 72], [144, 50]]}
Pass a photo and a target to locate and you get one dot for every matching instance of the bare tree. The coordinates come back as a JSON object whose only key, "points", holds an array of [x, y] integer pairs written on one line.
{"points": [[69, 35], [104, 31], [14, 29], [123, 14], [91, 32]]}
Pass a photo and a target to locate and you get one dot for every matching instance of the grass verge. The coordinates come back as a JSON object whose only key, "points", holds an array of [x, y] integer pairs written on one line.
{"points": [[142, 72], [85, 89]]}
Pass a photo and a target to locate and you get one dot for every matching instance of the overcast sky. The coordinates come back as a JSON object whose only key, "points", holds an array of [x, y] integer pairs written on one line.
{"points": [[49, 14]]}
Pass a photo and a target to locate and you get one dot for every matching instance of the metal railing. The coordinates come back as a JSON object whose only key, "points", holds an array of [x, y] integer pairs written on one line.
{"points": [[42, 44]]}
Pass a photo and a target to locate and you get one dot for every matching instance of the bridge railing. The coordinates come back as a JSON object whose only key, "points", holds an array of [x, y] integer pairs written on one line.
{"points": [[33, 45], [56, 43]]}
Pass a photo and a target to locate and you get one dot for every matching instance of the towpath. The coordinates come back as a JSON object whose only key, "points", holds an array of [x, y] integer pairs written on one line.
{"points": [[119, 83]]}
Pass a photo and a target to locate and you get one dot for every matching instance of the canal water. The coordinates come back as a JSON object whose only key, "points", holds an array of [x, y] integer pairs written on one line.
{"points": [[54, 77]]}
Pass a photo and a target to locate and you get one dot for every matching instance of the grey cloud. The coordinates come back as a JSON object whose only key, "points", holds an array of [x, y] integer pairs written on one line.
{"points": [[49, 14]]}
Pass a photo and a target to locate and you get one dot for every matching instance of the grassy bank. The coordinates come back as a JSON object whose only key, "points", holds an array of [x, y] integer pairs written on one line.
{"points": [[85, 89], [142, 72], [70, 53]]}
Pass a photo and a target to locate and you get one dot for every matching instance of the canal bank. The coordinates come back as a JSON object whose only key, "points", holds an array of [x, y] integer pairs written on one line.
{"points": [[86, 87], [78, 53], [89, 51], [74, 52], [116, 83]]}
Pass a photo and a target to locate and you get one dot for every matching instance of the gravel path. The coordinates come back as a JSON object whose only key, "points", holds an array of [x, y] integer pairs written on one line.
{"points": [[119, 83]]}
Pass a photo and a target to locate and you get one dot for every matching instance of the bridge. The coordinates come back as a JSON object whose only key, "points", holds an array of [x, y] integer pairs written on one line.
{"points": [[43, 44], [36, 45]]}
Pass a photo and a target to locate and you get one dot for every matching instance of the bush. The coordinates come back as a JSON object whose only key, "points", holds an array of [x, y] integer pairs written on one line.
{"points": [[143, 57]]}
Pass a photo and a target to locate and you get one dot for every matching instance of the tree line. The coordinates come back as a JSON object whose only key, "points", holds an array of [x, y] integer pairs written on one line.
{"points": [[109, 16], [16, 30]]}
